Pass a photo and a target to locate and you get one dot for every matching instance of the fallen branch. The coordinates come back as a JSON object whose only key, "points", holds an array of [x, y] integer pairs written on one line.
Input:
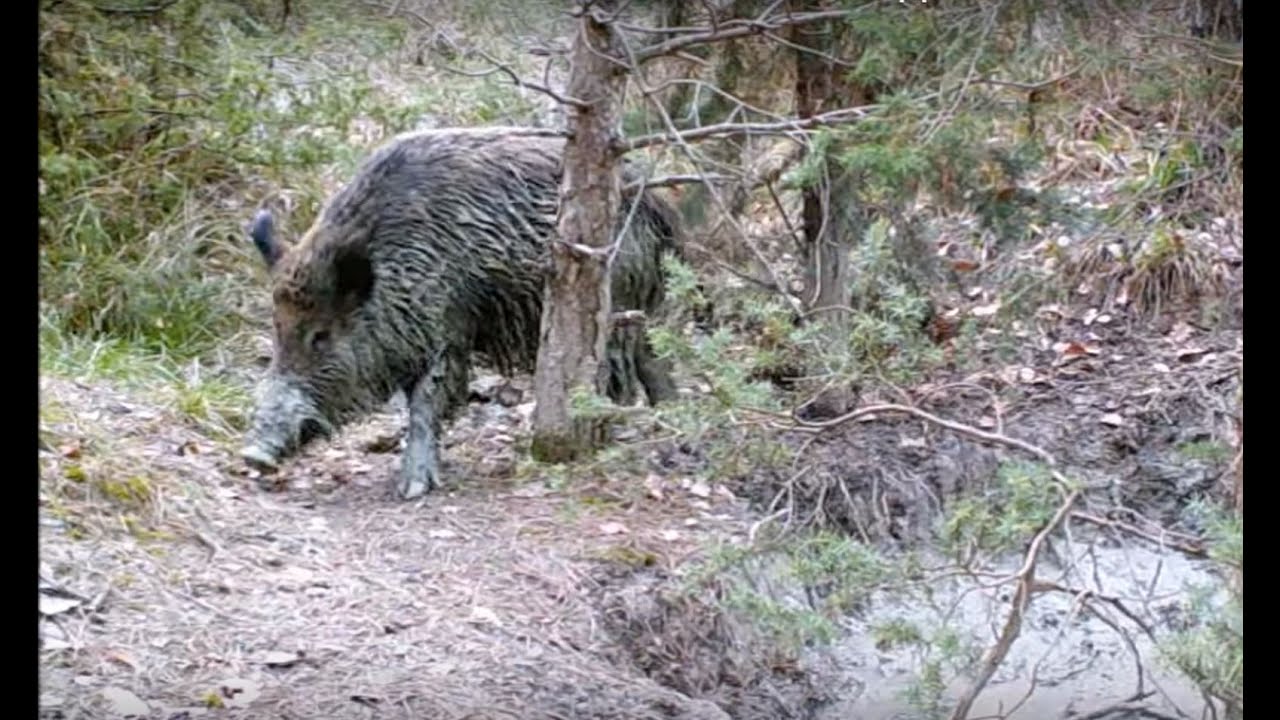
{"points": [[1189, 547], [952, 425], [1027, 585]]}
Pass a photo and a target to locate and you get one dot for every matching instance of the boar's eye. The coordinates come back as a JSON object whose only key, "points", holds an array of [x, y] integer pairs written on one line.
{"points": [[319, 341]]}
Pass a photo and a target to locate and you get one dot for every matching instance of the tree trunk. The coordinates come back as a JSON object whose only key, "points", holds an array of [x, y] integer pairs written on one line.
{"points": [[576, 301], [831, 221]]}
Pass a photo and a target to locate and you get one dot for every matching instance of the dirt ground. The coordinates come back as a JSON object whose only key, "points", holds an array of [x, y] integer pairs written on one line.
{"points": [[508, 595]]}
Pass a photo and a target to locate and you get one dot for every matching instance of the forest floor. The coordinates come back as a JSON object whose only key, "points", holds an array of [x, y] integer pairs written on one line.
{"points": [[174, 585]]}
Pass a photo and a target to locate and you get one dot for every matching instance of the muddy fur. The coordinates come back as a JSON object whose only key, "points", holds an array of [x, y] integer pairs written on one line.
{"points": [[435, 255]]}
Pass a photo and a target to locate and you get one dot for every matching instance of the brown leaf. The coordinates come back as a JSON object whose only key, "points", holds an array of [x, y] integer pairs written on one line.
{"points": [[71, 450], [964, 265]]}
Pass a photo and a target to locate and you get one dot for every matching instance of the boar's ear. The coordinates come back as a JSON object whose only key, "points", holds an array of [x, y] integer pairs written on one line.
{"points": [[262, 232], [353, 276]]}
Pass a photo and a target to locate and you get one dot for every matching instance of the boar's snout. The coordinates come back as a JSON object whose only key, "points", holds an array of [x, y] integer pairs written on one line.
{"points": [[285, 422]]}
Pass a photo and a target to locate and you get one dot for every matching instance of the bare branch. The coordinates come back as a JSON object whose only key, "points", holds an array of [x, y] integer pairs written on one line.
{"points": [[148, 10], [733, 29], [675, 180], [827, 119], [1027, 585], [501, 67], [689, 153]]}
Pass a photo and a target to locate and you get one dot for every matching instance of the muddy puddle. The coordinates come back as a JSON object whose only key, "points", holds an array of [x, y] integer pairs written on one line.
{"points": [[1077, 655]]}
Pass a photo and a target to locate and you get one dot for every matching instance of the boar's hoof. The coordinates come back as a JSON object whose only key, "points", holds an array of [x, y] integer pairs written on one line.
{"points": [[259, 459]]}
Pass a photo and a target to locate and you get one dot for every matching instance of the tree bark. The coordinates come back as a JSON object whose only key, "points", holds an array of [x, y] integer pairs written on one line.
{"points": [[831, 221], [576, 302]]}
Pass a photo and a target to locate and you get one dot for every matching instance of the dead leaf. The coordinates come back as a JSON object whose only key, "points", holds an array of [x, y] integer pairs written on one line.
{"points": [[1089, 316], [613, 528], [52, 605], [1181, 332], [1190, 353], [964, 265], [1160, 367], [280, 658], [123, 703], [533, 490], [484, 615], [670, 535], [653, 483], [700, 489], [909, 442], [238, 692], [441, 534], [1112, 419], [986, 310], [123, 658], [1026, 375], [973, 292], [987, 422], [71, 450]]}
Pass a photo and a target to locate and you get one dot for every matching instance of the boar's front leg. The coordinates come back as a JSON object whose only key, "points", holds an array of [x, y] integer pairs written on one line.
{"points": [[420, 466]]}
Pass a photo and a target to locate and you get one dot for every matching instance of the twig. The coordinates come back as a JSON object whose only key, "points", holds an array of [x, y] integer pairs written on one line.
{"points": [[1013, 624], [941, 422], [1031, 86], [733, 29], [688, 151], [148, 10], [827, 119], [674, 180], [1181, 545], [500, 67]]}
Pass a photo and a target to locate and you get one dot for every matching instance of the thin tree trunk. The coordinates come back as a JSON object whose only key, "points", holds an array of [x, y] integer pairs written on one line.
{"points": [[576, 301], [831, 222]]}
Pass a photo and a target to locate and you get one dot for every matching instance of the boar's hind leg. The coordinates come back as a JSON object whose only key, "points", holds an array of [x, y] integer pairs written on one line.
{"points": [[420, 465], [655, 373]]}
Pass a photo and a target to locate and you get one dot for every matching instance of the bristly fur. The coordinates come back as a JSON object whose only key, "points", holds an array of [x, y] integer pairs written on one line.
{"points": [[438, 250]]}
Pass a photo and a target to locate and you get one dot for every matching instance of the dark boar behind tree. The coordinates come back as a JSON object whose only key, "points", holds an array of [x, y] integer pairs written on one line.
{"points": [[434, 254]]}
